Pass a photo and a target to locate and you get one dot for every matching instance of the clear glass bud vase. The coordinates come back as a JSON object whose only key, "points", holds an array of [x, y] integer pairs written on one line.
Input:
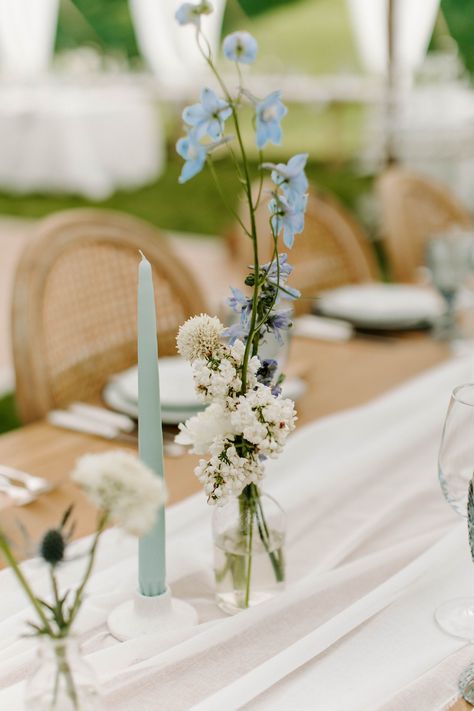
{"points": [[62, 680], [249, 538]]}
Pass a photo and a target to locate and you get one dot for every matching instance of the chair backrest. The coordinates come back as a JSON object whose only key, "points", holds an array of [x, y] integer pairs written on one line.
{"points": [[413, 209], [333, 249], [75, 305]]}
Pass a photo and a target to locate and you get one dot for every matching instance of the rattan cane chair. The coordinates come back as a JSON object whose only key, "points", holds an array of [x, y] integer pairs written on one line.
{"points": [[413, 209], [332, 251], [75, 303]]}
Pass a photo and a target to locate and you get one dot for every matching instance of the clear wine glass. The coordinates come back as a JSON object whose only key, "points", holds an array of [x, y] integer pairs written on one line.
{"points": [[449, 259], [455, 470]]}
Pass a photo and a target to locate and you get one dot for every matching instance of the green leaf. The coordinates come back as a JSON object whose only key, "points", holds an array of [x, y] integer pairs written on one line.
{"points": [[47, 605], [37, 629]]}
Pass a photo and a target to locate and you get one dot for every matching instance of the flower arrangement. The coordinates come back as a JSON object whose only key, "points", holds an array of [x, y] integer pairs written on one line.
{"points": [[246, 419], [126, 493]]}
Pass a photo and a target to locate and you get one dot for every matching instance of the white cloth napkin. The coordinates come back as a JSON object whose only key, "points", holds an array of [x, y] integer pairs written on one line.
{"points": [[372, 549]]}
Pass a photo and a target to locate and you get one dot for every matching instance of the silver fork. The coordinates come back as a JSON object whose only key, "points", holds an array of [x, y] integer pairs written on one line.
{"points": [[34, 484], [18, 495]]}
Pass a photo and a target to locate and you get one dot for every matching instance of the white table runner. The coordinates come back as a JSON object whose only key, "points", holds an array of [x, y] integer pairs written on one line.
{"points": [[372, 550]]}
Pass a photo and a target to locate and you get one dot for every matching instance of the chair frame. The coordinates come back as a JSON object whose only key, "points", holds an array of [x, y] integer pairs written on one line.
{"points": [[391, 188], [56, 234]]}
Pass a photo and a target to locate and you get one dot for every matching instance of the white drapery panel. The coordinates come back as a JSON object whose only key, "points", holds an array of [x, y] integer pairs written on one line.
{"points": [[413, 25], [170, 49], [27, 34]]}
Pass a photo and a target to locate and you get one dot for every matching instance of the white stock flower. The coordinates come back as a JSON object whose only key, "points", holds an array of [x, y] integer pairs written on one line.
{"points": [[199, 337], [225, 473], [201, 430], [120, 484], [264, 420], [216, 380]]}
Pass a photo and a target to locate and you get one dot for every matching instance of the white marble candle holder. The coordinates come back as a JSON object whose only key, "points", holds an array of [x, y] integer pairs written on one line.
{"points": [[156, 615]]}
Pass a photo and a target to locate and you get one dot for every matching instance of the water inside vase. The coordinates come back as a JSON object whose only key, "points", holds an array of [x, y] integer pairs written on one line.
{"points": [[235, 591]]}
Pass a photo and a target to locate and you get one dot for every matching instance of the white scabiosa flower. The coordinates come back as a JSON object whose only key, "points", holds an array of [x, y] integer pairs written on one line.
{"points": [[200, 337], [200, 431], [121, 485]]}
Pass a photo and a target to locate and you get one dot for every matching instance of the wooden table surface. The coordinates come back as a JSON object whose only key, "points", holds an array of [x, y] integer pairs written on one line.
{"points": [[339, 376]]}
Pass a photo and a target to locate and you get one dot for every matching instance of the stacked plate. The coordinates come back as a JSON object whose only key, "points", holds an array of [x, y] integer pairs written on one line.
{"points": [[382, 306], [178, 398]]}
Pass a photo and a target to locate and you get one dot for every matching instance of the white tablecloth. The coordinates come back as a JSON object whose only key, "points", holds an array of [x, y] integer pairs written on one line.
{"points": [[83, 139], [372, 550]]}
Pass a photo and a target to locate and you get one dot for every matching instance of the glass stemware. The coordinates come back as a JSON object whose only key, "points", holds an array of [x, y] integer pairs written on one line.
{"points": [[449, 259], [455, 470]]}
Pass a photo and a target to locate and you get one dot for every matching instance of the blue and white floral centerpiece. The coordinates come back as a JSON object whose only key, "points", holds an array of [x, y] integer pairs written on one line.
{"points": [[246, 419]]}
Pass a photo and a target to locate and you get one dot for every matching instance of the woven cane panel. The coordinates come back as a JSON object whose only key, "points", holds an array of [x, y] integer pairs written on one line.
{"points": [[424, 216], [413, 210], [89, 317]]}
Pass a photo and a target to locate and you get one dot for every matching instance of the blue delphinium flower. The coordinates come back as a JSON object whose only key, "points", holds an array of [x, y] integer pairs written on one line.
{"points": [[288, 217], [277, 322], [240, 47], [285, 270], [207, 117], [269, 114], [194, 154], [240, 304], [236, 331], [190, 14], [290, 177], [267, 370]]}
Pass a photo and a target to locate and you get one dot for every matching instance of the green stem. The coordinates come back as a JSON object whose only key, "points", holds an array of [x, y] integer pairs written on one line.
{"points": [[80, 591], [260, 185], [223, 197], [249, 556], [275, 558], [251, 346], [10, 558], [267, 313], [65, 669], [54, 585]]}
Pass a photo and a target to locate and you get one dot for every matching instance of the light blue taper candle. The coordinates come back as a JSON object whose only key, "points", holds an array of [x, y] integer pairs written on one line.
{"points": [[151, 550]]}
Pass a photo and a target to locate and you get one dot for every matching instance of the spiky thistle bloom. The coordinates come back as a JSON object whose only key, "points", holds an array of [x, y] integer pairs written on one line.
{"points": [[52, 546], [199, 338]]}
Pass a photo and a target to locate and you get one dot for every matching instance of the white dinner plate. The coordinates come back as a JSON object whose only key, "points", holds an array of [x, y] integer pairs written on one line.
{"points": [[114, 398], [176, 384], [382, 306]]}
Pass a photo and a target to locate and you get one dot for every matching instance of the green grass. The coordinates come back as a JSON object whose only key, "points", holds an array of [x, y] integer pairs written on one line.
{"points": [[194, 207], [8, 417]]}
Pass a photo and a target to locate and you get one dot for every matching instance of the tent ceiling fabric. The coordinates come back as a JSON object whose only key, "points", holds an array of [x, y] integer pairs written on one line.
{"points": [[27, 34], [169, 49], [413, 26]]}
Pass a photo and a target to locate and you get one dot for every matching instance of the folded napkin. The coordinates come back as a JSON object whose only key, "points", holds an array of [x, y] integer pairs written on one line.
{"points": [[321, 328]]}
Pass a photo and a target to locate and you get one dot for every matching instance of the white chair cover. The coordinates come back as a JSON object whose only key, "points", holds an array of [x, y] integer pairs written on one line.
{"points": [[413, 25], [27, 34], [169, 49]]}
